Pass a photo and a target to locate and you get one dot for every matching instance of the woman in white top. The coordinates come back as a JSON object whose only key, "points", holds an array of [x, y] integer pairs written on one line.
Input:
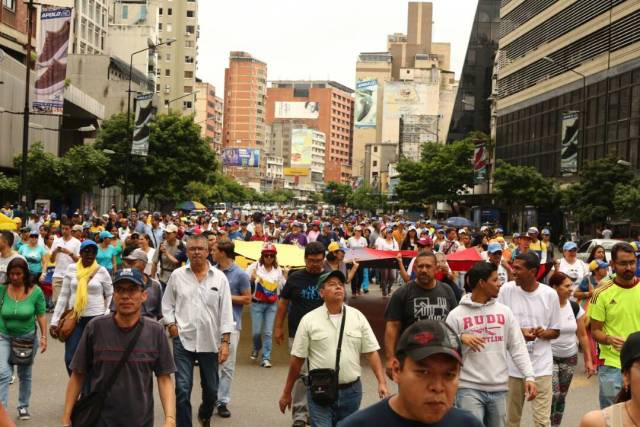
{"points": [[144, 243], [565, 347], [570, 265], [357, 241], [267, 280], [87, 289], [386, 242]]}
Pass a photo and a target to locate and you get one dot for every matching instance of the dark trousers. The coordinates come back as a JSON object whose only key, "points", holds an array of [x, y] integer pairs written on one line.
{"points": [[71, 344], [356, 283], [208, 364]]}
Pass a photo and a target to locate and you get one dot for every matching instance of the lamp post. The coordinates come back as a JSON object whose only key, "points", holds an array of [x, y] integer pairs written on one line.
{"points": [[583, 118], [27, 109]]}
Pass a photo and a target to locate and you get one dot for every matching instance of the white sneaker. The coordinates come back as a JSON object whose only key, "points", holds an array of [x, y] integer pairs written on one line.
{"points": [[13, 379], [265, 364]]}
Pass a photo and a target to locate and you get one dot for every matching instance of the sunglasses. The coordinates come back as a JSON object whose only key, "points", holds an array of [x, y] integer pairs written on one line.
{"points": [[268, 255]]}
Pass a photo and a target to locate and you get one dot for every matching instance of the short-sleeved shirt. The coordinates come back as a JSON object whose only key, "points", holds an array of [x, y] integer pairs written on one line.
{"points": [[317, 339], [63, 260], [411, 303], [4, 263], [19, 318], [301, 289], [566, 345], [130, 400], [165, 265], [105, 256], [617, 308], [238, 282], [33, 255], [381, 414]]}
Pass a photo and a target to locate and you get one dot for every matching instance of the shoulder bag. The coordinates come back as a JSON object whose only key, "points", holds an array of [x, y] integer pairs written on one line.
{"points": [[323, 383], [21, 350], [88, 409], [69, 319]]}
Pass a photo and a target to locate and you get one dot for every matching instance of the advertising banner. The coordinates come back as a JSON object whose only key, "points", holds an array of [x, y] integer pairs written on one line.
{"points": [[295, 171], [480, 160], [247, 157], [145, 111], [297, 110], [409, 98], [301, 144], [569, 147], [51, 61], [366, 103]]}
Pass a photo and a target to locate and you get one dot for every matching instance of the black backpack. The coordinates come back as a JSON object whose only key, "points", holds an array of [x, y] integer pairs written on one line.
{"points": [[576, 308]]}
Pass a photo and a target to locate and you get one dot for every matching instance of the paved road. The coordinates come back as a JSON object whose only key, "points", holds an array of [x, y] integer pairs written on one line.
{"points": [[255, 390]]}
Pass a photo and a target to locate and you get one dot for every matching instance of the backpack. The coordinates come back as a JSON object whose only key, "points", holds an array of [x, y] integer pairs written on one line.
{"points": [[576, 308]]}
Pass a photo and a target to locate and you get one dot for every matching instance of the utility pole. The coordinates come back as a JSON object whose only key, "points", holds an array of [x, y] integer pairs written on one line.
{"points": [[27, 108]]}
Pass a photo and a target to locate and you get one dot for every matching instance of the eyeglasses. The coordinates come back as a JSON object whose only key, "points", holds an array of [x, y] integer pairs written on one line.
{"points": [[268, 255], [127, 291]]}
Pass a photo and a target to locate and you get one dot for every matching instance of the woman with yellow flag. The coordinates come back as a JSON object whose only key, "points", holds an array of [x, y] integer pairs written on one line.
{"points": [[87, 289]]}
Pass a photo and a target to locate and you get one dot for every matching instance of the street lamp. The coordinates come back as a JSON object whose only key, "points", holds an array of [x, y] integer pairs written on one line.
{"points": [[183, 96], [27, 109]]}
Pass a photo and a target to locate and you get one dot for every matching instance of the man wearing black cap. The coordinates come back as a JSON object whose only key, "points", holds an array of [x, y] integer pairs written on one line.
{"points": [[130, 399], [426, 368], [317, 340]]}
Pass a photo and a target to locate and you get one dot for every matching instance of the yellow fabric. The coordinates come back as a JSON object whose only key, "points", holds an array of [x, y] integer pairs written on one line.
{"points": [[7, 223], [287, 256], [82, 291]]}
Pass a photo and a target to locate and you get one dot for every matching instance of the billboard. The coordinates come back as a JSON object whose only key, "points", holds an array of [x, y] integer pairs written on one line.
{"points": [[480, 161], [295, 171], [569, 147], [145, 111], [247, 157], [409, 98], [51, 62], [366, 103], [297, 110], [301, 144]]}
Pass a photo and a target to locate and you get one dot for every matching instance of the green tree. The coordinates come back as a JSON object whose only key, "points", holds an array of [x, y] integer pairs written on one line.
{"points": [[366, 199], [44, 177], [337, 194], [626, 200], [279, 195], [82, 168], [442, 173], [8, 184], [517, 186], [315, 198]]}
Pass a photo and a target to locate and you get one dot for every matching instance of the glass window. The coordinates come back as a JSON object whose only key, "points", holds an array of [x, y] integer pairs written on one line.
{"points": [[9, 4], [125, 12]]}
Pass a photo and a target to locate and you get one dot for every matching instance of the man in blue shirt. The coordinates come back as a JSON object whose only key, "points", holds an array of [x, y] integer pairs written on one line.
{"points": [[224, 254]]}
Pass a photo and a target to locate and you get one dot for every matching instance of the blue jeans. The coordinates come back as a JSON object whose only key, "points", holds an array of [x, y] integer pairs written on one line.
{"points": [[365, 279], [24, 371], [262, 317], [610, 383], [208, 363], [71, 344], [489, 407], [328, 416]]}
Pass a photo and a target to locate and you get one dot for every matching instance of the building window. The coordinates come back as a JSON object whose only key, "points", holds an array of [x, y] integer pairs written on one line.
{"points": [[191, 13], [125, 12], [188, 59], [188, 89], [9, 4], [191, 29], [169, 28], [160, 11], [158, 88], [187, 105], [375, 149], [167, 57], [189, 43], [169, 11], [160, 26], [167, 72], [188, 74]]}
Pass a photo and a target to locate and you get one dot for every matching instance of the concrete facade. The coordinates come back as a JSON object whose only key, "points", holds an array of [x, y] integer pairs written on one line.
{"points": [[89, 30]]}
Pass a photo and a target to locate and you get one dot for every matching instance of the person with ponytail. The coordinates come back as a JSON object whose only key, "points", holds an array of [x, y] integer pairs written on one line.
{"points": [[87, 289]]}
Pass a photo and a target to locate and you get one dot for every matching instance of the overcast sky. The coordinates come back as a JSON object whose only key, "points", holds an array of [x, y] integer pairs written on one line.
{"points": [[303, 39]]}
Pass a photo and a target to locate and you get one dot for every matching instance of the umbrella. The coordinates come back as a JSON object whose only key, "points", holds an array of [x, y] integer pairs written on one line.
{"points": [[463, 260], [458, 222], [190, 206]]}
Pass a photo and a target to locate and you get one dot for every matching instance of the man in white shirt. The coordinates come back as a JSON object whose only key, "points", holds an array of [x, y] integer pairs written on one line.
{"points": [[64, 251], [197, 311], [537, 308]]}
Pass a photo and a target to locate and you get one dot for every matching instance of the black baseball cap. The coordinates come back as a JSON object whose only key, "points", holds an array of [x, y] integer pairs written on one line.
{"points": [[428, 337], [630, 351]]}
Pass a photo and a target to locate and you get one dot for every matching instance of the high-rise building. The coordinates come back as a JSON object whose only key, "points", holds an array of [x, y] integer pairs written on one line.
{"points": [[89, 30], [245, 93], [177, 63], [326, 106], [472, 108], [568, 88], [208, 114]]}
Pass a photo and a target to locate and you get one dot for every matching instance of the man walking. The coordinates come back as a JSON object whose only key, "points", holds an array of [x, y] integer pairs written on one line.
{"points": [[224, 254], [197, 311], [537, 309], [136, 258], [299, 296], [64, 251], [130, 399], [342, 327], [168, 256], [154, 231]]}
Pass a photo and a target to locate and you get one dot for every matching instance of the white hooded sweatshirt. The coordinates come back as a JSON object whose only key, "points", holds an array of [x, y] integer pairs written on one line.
{"points": [[486, 370]]}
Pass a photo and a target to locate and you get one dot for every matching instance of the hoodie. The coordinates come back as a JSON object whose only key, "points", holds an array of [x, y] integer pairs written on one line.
{"points": [[487, 370]]}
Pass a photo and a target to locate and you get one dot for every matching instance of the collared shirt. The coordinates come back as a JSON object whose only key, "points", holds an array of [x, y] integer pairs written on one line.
{"points": [[156, 235], [238, 283], [201, 310], [317, 339]]}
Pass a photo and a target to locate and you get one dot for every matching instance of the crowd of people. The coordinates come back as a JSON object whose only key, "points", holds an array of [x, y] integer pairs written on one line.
{"points": [[133, 295]]}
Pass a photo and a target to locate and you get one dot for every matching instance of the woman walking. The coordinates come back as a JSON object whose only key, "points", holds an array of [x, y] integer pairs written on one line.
{"points": [[144, 243], [106, 255], [357, 241], [22, 305], [35, 256], [386, 243], [87, 289]]}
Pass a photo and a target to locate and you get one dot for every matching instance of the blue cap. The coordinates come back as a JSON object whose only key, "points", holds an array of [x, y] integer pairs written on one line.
{"points": [[494, 247], [105, 235], [33, 233], [53, 215], [569, 246], [132, 275], [545, 232], [499, 230], [88, 243]]}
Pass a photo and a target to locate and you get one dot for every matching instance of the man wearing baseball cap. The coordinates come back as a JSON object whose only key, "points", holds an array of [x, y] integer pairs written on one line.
{"points": [[169, 256], [137, 258], [494, 256], [427, 370]]}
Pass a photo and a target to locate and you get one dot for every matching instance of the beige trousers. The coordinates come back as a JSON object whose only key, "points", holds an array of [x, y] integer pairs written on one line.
{"points": [[541, 405]]}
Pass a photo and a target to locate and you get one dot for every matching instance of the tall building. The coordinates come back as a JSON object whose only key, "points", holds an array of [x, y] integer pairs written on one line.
{"points": [[548, 115], [245, 93], [177, 63], [89, 27], [472, 108], [13, 28], [208, 114], [326, 106]]}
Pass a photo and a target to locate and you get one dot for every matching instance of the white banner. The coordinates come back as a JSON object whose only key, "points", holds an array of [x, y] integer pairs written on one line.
{"points": [[297, 110]]}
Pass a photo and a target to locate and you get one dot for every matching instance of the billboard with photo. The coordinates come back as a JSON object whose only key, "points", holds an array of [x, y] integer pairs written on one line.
{"points": [[51, 59], [366, 103], [301, 147], [480, 161], [569, 147], [247, 157], [297, 110], [145, 112], [409, 98]]}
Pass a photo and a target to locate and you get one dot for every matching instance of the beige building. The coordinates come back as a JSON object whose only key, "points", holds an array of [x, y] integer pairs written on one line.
{"points": [[89, 30], [208, 114]]}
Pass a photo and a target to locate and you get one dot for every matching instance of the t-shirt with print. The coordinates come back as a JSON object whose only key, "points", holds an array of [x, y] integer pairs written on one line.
{"points": [[301, 289], [540, 308], [238, 282], [33, 255], [381, 414], [566, 345], [411, 303], [617, 308], [130, 400], [4, 262]]}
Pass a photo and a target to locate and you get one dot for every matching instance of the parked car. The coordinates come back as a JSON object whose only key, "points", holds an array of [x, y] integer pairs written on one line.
{"points": [[585, 249]]}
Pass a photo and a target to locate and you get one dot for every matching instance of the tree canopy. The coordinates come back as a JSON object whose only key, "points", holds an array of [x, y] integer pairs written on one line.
{"points": [[337, 194], [522, 185]]}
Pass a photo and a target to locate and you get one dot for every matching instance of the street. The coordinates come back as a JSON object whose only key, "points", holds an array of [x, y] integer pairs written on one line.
{"points": [[255, 390]]}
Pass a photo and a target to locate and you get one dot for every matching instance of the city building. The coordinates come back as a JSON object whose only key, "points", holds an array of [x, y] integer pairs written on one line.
{"points": [[568, 88], [177, 63], [472, 108], [274, 174], [13, 29], [377, 158], [415, 130], [244, 127], [208, 114], [89, 29], [326, 106]]}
